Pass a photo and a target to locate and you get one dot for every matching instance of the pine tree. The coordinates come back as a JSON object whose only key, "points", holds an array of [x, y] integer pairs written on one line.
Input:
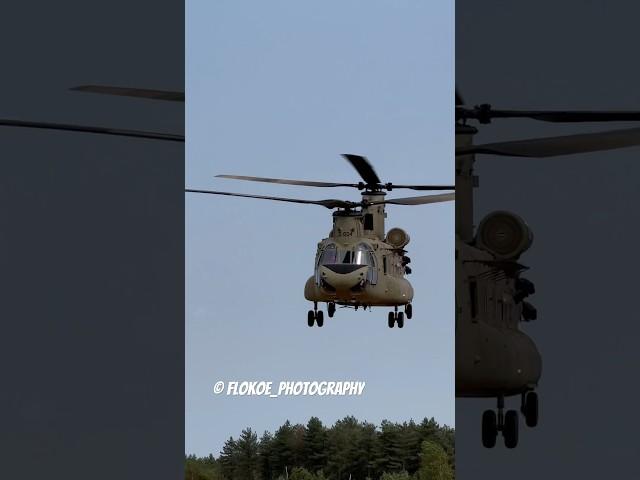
{"points": [[409, 442], [315, 446], [227, 458], [246, 459], [265, 447], [282, 452], [391, 455]]}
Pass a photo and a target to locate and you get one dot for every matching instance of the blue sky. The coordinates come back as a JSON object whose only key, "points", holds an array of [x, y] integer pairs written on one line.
{"points": [[281, 89]]}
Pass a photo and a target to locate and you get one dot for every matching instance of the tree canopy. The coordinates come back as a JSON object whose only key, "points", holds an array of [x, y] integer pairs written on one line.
{"points": [[349, 449]]}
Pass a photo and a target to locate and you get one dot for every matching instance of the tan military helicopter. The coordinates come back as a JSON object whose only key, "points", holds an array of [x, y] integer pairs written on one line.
{"points": [[358, 265], [494, 357]]}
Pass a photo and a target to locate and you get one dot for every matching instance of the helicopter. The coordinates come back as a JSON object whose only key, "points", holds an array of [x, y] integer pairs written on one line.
{"points": [[360, 264], [494, 357]]}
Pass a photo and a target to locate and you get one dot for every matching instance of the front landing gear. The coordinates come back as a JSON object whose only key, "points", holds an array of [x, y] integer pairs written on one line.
{"points": [[316, 316], [396, 317], [493, 423]]}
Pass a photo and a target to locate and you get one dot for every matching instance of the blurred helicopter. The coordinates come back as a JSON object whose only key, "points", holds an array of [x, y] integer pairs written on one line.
{"points": [[359, 264], [164, 95], [494, 358]]}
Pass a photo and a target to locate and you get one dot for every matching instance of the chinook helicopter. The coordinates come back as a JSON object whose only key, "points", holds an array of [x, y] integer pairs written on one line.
{"points": [[360, 265], [494, 357]]}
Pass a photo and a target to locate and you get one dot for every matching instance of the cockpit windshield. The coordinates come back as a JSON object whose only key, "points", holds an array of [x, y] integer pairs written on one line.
{"points": [[362, 254]]}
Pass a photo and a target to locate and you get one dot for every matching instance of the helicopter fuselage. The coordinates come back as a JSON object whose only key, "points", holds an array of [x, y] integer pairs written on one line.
{"points": [[494, 357], [355, 266]]}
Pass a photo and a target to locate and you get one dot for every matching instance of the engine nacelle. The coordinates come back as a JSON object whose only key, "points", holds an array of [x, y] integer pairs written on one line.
{"points": [[397, 237], [504, 234]]}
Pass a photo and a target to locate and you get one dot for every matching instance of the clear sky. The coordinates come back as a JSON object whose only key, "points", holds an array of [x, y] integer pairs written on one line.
{"points": [[281, 89]]}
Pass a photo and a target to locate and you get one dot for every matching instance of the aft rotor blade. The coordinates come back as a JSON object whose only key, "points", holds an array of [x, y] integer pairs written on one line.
{"points": [[364, 168], [329, 203], [555, 146], [442, 197], [569, 115], [89, 129], [306, 183], [485, 113], [167, 95]]}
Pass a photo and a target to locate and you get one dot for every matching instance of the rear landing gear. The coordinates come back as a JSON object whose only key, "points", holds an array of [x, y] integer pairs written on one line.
{"points": [[315, 316], [510, 429], [408, 311], [331, 309], [396, 317], [493, 423], [489, 429]]}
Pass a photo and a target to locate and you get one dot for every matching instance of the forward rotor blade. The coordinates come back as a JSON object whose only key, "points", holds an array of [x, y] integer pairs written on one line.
{"points": [[306, 183], [422, 200], [89, 129], [424, 187], [330, 203], [132, 92], [364, 168], [555, 146]]}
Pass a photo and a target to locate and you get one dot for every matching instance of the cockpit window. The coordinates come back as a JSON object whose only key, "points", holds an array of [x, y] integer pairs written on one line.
{"points": [[329, 255], [362, 254]]}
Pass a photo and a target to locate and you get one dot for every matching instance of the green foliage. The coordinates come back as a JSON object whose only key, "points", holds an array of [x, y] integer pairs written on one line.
{"points": [[301, 474], [434, 463], [395, 476], [202, 468], [348, 449]]}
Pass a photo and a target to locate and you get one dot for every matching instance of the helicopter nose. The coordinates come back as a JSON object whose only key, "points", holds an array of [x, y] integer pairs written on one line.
{"points": [[343, 277], [343, 268]]}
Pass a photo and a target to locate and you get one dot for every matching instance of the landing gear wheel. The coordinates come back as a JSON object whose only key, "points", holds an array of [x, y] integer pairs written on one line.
{"points": [[489, 429], [408, 311], [530, 409], [392, 319], [331, 309], [400, 319], [320, 317], [510, 429], [311, 318]]}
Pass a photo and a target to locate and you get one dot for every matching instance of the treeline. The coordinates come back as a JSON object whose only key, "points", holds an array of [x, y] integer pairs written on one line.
{"points": [[348, 450]]}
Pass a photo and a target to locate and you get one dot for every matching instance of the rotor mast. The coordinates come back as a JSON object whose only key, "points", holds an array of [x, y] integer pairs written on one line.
{"points": [[374, 215], [465, 183]]}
